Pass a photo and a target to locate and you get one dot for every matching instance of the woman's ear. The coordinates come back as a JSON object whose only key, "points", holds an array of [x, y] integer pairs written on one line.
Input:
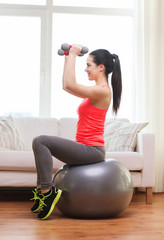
{"points": [[102, 67]]}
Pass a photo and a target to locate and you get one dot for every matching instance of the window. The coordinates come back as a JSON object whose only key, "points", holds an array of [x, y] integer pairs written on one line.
{"points": [[31, 33], [20, 65], [95, 3], [29, 2]]}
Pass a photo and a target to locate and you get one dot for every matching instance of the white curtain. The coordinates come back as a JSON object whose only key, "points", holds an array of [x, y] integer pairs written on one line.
{"points": [[150, 82]]}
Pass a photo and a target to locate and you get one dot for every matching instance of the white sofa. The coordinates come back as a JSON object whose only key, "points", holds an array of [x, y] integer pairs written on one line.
{"points": [[17, 168]]}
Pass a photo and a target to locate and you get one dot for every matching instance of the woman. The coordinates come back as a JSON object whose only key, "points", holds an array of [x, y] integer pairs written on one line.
{"points": [[89, 145]]}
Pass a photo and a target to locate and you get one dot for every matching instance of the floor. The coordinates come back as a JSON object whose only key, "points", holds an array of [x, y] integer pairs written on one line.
{"points": [[140, 221]]}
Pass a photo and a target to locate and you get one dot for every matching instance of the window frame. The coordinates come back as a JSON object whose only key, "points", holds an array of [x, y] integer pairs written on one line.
{"points": [[45, 51]]}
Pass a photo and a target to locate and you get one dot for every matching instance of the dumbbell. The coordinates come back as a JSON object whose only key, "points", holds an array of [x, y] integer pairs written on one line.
{"points": [[62, 53], [65, 47]]}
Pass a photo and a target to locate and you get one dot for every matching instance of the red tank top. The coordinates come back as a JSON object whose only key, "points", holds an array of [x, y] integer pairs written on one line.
{"points": [[90, 126]]}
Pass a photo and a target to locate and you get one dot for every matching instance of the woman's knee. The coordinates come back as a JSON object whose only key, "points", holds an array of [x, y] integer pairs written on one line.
{"points": [[37, 141]]}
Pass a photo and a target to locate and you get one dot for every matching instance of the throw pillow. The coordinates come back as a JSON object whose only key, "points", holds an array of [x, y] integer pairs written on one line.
{"points": [[10, 138], [121, 136]]}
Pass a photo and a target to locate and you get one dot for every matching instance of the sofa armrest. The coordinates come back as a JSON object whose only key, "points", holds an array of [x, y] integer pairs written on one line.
{"points": [[146, 147]]}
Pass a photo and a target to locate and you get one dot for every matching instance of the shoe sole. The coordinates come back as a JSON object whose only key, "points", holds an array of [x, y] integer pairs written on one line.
{"points": [[53, 205]]}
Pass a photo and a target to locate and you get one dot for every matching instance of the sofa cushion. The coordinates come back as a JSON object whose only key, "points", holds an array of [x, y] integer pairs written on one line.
{"points": [[21, 161], [18, 179], [121, 136], [32, 127], [10, 138], [133, 161]]}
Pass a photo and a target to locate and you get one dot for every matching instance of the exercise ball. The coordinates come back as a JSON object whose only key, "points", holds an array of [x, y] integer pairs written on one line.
{"points": [[98, 190]]}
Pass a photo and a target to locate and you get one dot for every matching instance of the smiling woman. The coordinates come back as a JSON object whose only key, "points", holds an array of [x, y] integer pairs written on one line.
{"points": [[89, 144]]}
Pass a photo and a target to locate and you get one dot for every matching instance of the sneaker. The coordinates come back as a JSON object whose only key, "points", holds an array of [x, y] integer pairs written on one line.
{"points": [[48, 201], [36, 199]]}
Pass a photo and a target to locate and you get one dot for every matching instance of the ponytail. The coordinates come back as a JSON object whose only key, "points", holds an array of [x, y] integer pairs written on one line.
{"points": [[112, 65], [116, 81]]}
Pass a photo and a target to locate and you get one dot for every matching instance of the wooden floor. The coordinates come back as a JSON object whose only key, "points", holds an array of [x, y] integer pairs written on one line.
{"points": [[138, 221]]}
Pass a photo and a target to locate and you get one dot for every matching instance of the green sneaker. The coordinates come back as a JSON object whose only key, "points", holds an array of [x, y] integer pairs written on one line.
{"points": [[48, 201], [36, 199]]}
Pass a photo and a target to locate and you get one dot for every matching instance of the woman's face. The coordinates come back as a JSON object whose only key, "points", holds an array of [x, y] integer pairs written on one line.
{"points": [[92, 69]]}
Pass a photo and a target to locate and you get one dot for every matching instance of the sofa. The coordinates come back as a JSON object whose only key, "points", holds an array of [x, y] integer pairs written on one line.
{"points": [[17, 165]]}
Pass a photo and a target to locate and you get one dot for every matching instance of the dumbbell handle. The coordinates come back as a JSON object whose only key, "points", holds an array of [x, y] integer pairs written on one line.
{"points": [[62, 53], [66, 47]]}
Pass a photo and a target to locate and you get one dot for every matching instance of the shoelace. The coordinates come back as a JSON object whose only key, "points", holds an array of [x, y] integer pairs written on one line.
{"points": [[42, 203], [35, 195]]}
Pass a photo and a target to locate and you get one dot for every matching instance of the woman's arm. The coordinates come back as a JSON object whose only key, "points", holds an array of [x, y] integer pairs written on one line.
{"points": [[64, 72], [69, 79]]}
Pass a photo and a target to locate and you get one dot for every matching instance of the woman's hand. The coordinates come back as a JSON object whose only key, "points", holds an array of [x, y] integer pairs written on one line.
{"points": [[75, 50]]}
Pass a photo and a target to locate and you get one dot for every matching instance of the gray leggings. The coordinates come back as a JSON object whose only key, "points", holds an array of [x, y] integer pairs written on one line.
{"points": [[65, 150]]}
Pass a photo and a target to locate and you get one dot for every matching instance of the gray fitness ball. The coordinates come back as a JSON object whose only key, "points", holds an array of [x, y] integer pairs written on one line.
{"points": [[98, 190]]}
